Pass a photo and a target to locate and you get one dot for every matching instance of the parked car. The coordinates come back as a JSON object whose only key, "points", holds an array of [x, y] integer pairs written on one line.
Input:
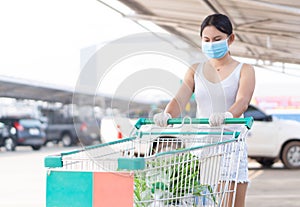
{"points": [[72, 131], [114, 128], [71, 125], [5, 140], [23, 131], [271, 139]]}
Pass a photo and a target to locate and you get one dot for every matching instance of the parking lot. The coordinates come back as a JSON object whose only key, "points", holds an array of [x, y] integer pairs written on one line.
{"points": [[275, 187], [23, 180]]}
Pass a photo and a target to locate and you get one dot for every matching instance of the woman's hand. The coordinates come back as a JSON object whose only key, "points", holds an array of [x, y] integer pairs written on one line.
{"points": [[217, 119], [161, 119]]}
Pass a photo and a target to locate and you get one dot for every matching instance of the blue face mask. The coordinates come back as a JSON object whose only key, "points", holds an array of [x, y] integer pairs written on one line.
{"points": [[216, 49]]}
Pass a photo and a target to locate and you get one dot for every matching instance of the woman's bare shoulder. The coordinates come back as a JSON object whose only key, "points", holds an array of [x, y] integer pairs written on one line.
{"points": [[247, 66], [193, 67], [189, 75], [248, 70]]}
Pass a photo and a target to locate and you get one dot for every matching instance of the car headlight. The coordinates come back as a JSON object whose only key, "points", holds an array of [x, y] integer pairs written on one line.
{"points": [[13, 130]]}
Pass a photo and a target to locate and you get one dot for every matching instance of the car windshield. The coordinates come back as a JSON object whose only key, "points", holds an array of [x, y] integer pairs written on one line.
{"points": [[255, 113], [30, 122]]}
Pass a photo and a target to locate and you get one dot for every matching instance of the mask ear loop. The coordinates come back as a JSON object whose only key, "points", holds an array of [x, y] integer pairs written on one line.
{"points": [[229, 36], [227, 39]]}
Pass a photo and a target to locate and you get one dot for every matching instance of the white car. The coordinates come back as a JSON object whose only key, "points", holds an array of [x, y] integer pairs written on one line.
{"points": [[271, 139], [116, 127]]}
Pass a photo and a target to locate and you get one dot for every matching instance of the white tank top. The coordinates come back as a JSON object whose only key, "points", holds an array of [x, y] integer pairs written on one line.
{"points": [[215, 97]]}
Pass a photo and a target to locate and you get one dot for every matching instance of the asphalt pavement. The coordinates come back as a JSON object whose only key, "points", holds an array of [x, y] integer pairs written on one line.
{"points": [[274, 187]]}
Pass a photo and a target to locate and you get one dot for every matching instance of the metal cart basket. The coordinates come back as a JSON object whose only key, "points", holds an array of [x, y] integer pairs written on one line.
{"points": [[186, 164]]}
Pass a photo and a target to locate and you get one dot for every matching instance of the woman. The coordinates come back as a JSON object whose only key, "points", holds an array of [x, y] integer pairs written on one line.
{"points": [[223, 86]]}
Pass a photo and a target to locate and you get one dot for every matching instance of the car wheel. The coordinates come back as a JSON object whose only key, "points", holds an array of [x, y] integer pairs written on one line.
{"points": [[45, 143], [67, 140], [10, 144], [266, 162], [291, 155], [36, 147]]}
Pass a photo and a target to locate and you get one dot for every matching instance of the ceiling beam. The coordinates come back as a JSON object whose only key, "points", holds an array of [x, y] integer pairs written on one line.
{"points": [[282, 8]]}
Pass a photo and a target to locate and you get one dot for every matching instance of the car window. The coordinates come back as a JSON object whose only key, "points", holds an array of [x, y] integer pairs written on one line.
{"points": [[257, 114], [7, 121], [30, 122]]}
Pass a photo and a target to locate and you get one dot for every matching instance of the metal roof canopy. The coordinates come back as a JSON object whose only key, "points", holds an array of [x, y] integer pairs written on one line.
{"points": [[34, 90], [266, 30], [25, 89]]}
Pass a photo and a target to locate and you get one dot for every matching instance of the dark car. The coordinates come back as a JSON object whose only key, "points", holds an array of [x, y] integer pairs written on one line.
{"points": [[71, 132], [66, 126], [23, 132], [5, 140]]}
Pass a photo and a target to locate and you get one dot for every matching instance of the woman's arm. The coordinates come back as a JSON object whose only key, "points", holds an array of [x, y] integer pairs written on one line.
{"points": [[178, 103], [245, 91]]}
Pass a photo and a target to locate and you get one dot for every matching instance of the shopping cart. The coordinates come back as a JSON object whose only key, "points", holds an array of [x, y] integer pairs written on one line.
{"points": [[186, 164]]}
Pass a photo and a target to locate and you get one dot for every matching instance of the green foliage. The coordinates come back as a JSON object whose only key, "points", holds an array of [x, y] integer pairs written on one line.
{"points": [[176, 177]]}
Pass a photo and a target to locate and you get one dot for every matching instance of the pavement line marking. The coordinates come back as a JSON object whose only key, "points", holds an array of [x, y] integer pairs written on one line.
{"points": [[255, 174], [275, 196]]}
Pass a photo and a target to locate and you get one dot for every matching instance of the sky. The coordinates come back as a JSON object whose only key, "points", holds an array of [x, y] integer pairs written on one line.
{"points": [[42, 41]]}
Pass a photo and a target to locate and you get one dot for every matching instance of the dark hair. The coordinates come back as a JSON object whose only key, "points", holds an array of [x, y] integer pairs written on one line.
{"points": [[220, 21]]}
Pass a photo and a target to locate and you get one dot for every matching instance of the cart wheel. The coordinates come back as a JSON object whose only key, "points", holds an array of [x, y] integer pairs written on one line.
{"points": [[266, 162], [291, 155], [9, 144]]}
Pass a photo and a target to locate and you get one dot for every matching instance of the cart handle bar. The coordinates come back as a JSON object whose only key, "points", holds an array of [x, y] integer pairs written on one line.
{"points": [[248, 121]]}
